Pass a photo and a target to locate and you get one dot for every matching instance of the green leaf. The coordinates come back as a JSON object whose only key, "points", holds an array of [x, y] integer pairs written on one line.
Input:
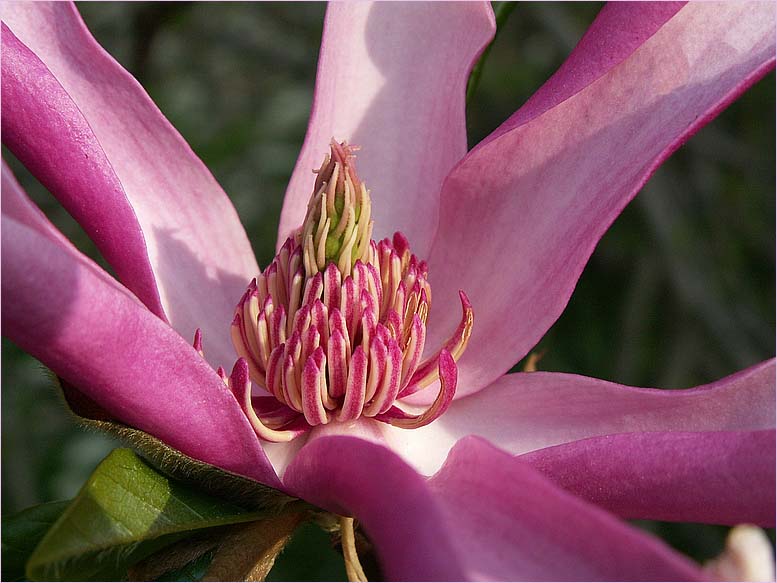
{"points": [[239, 552], [179, 466], [126, 511], [21, 534]]}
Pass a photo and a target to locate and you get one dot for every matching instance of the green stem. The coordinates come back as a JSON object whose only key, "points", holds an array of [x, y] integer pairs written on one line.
{"points": [[501, 11], [353, 567]]}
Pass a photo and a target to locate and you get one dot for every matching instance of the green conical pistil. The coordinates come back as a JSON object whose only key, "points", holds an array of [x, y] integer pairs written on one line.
{"points": [[337, 228], [332, 249]]}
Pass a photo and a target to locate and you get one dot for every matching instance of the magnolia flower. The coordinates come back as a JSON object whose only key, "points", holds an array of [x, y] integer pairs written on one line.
{"points": [[515, 479]]}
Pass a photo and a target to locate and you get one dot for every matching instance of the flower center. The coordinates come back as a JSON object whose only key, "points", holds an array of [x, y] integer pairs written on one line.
{"points": [[335, 327]]}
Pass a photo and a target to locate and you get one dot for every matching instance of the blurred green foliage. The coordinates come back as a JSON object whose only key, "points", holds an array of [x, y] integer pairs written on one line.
{"points": [[679, 292]]}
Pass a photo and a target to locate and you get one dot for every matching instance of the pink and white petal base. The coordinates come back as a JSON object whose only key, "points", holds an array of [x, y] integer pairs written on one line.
{"points": [[676, 476], [484, 516], [96, 335], [539, 196], [147, 181], [391, 79], [525, 412]]}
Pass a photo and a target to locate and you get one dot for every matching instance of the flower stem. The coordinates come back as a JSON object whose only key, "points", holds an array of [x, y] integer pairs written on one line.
{"points": [[348, 539]]}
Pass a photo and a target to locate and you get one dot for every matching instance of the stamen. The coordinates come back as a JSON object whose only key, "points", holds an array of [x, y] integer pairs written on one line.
{"points": [[354, 388], [425, 375], [338, 364], [240, 385], [335, 327], [448, 377], [312, 381], [239, 341], [414, 348]]}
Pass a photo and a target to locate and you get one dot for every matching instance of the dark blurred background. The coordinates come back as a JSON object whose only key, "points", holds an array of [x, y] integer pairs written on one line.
{"points": [[680, 291]]}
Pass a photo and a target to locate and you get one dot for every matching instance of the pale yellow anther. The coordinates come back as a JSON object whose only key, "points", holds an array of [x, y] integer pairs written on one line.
{"points": [[461, 345], [462, 339]]}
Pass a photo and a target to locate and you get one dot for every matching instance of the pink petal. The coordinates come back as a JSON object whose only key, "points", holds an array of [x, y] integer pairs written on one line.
{"points": [[349, 476], [45, 129], [529, 411], [391, 79], [142, 194], [541, 194], [721, 477], [63, 309], [510, 507], [18, 206], [616, 33], [485, 516]]}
